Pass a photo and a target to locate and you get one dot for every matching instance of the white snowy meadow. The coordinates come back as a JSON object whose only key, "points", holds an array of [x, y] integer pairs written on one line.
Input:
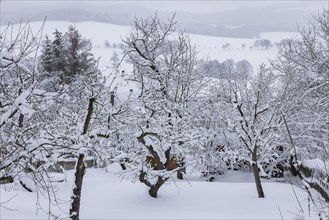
{"points": [[100, 121], [106, 196]]}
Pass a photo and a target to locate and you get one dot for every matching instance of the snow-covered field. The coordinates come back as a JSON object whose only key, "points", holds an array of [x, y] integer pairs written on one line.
{"points": [[209, 47], [106, 196]]}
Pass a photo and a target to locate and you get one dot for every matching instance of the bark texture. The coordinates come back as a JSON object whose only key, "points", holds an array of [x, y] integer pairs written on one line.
{"points": [[255, 169], [76, 197]]}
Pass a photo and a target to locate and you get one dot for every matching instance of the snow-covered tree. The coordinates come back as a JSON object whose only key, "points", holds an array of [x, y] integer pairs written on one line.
{"points": [[47, 57], [227, 69], [230, 69], [75, 128], [107, 44], [304, 67], [212, 67], [243, 46], [23, 151], [244, 69], [249, 108], [167, 74], [67, 55], [265, 43], [262, 43], [78, 59], [226, 46], [43, 121]]}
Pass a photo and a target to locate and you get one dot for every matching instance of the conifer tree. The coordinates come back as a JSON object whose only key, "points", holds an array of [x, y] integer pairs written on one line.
{"points": [[67, 55], [47, 57]]}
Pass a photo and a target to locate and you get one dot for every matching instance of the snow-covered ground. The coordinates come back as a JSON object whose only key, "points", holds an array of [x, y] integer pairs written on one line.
{"points": [[209, 47], [106, 196]]}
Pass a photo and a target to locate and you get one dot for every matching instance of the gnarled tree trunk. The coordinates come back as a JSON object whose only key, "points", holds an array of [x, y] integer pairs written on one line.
{"points": [[153, 191], [182, 170], [156, 164]]}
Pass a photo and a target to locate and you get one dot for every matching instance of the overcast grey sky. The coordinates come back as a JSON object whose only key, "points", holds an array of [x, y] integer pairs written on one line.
{"points": [[187, 6], [212, 6]]}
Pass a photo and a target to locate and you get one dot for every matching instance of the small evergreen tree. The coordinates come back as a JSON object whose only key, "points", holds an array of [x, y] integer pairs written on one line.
{"points": [[47, 57], [57, 50], [78, 58], [67, 55], [107, 44]]}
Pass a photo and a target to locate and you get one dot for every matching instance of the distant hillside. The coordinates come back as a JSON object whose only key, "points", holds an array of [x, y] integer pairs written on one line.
{"points": [[247, 22]]}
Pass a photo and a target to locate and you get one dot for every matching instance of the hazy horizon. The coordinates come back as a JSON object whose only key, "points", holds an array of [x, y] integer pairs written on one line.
{"points": [[216, 18]]}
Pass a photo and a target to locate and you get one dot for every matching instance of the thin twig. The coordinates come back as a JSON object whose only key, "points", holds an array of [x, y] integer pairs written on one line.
{"points": [[280, 213], [300, 206]]}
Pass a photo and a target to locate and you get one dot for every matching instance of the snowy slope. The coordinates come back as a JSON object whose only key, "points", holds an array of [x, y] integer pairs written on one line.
{"points": [[209, 47]]}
